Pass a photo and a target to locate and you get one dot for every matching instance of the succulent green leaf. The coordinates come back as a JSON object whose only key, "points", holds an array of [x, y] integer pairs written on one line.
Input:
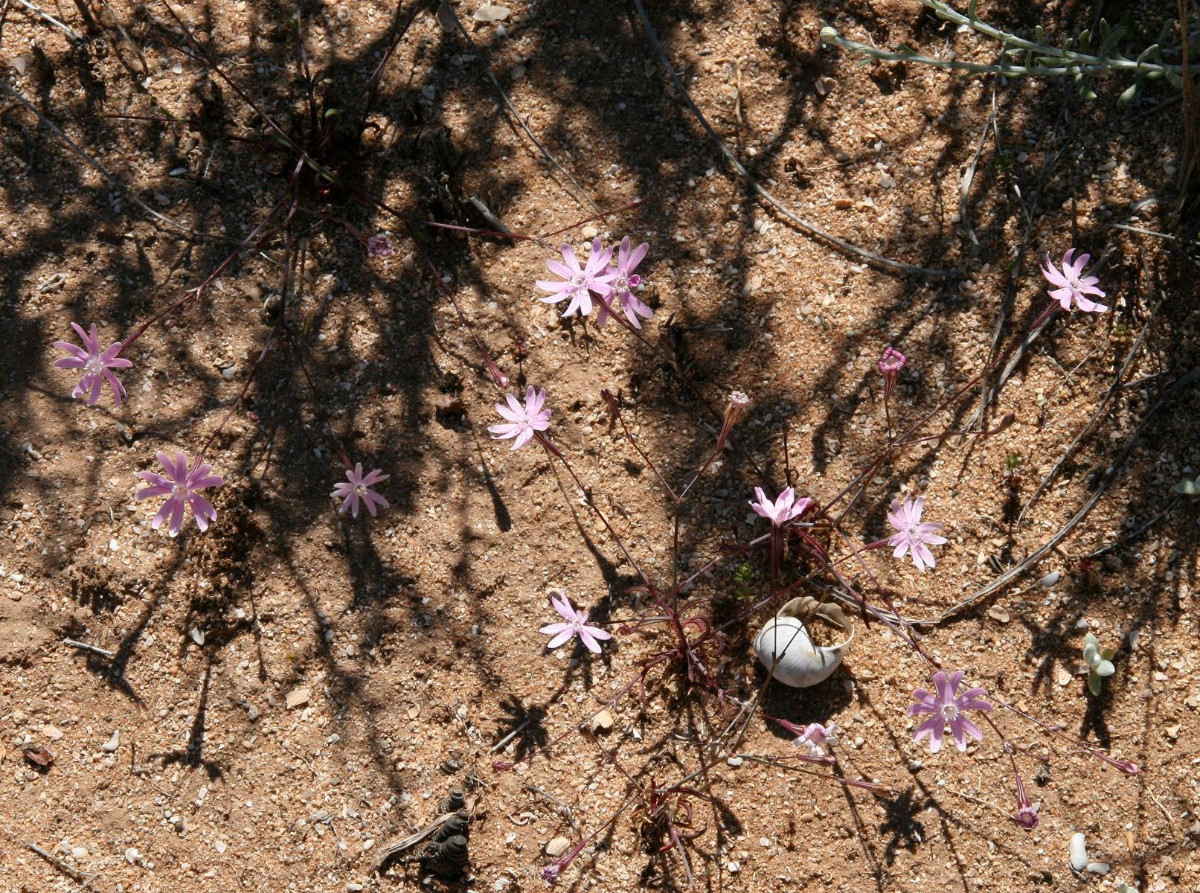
{"points": [[1188, 488], [1128, 93], [1105, 668], [1094, 683]]}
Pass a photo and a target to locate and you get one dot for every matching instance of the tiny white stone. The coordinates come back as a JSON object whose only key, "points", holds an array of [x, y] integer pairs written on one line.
{"points": [[1078, 851], [112, 743], [1098, 867]]}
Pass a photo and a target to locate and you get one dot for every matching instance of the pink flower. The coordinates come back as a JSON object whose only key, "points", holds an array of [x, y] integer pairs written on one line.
{"points": [[1071, 286], [379, 245], [947, 707], [95, 364], [783, 509], [575, 625], [522, 422], [179, 486], [891, 362], [624, 284], [357, 486], [912, 534], [595, 276], [817, 737]]}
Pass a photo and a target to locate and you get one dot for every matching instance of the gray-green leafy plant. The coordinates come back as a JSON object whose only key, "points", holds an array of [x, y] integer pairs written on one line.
{"points": [[1076, 58]]}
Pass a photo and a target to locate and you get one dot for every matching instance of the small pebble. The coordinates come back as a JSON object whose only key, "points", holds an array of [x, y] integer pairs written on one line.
{"points": [[112, 743], [589, 232], [78, 852], [1050, 579], [297, 697], [1098, 867], [734, 761], [491, 13], [999, 613], [132, 856], [1078, 851], [733, 867], [557, 846], [602, 721], [764, 842]]}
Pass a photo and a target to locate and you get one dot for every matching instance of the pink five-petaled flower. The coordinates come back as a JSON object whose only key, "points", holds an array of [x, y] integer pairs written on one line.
{"points": [[522, 422], [95, 364], [595, 276], [626, 281], [179, 485], [783, 509], [817, 737], [575, 625], [947, 707], [356, 487], [1071, 286], [912, 534]]}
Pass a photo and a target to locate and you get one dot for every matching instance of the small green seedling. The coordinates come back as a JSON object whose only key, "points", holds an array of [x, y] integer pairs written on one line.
{"points": [[1099, 662]]}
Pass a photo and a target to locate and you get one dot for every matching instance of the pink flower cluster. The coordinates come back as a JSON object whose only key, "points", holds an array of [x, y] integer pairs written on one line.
{"points": [[611, 279]]}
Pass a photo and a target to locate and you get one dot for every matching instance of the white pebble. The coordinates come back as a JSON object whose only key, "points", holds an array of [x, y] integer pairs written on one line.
{"points": [[112, 743], [1098, 867], [1078, 851]]}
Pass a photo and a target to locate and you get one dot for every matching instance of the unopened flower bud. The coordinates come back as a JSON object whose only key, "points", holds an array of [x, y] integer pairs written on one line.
{"points": [[379, 245], [735, 411]]}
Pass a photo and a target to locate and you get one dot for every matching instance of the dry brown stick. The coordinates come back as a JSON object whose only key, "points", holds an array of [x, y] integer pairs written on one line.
{"points": [[446, 10], [100, 169], [125, 36], [1096, 416], [94, 649], [58, 863], [1109, 473], [67, 29], [803, 225]]}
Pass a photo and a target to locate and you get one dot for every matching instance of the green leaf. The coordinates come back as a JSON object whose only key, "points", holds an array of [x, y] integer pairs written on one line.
{"points": [[1174, 79], [1128, 93], [1094, 683], [1039, 34], [1148, 53], [971, 9], [1188, 488]]}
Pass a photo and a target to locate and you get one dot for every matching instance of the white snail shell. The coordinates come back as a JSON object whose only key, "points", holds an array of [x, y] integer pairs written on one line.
{"points": [[786, 650]]}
